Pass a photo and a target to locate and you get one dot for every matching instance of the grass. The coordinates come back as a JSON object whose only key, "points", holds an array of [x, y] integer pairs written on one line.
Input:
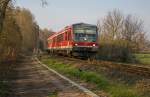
{"points": [[52, 94], [4, 91], [101, 82], [143, 58], [87, 76]]}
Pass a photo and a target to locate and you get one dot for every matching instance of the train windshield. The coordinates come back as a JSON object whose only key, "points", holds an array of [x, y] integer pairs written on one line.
{"points": [[83, 34]]}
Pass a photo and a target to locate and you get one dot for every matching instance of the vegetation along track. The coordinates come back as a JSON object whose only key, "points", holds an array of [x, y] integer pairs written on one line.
{"points": [[129, 68], [86, 91]]}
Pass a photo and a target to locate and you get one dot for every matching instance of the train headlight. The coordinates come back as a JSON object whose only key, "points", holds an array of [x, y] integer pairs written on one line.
{"points": [[76, 44], [94, 45]]}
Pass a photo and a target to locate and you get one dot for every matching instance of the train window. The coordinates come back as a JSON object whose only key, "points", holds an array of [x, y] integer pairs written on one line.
{"points": [[85, 37], [61, 37], [65, 35], [58, 38], [69, 35], [55, 39]]}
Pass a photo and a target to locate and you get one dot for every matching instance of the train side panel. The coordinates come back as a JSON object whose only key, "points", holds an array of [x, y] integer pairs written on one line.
{"points": [[62, 42]]}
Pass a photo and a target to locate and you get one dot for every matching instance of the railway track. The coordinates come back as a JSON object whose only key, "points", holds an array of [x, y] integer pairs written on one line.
{"points": [[129, 68]]}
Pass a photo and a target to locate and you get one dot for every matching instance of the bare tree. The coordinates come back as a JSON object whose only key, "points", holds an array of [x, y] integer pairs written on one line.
{"points": [[119, 35], [10, 45], [147, 45], [112, 25], [132, 27], [44, 3], [133, 32], [116, 26], [28, 28], [44, 34]]}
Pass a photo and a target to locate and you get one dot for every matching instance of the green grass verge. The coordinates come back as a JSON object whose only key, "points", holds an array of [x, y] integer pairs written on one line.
{"points": [[4, 91], [143, 58], [102, 83], [52, 94]]}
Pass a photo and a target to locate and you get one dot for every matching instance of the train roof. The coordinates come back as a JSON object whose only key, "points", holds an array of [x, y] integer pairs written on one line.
{"points": [[67, 27], [57, 33], [85, 24]]}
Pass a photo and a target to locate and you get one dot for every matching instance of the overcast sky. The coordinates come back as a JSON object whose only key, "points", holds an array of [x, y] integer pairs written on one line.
{"points": [[60, 13]]}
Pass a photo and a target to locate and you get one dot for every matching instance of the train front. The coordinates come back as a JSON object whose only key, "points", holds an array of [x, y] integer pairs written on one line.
{"points": [[85, 40]]}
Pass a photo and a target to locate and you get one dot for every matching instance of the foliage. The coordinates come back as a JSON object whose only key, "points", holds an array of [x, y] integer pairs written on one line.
{"points": [[119, 90], [52, 94], [4, 92], [11, 38], [143, 58], [88, 76], [29, 29], [44, 34], [115, 51], [143, 87], [3, 6], [20, 33], [119, 36]]}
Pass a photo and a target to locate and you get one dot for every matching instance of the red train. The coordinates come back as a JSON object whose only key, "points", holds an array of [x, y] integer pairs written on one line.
{"points": [[75, 40]]}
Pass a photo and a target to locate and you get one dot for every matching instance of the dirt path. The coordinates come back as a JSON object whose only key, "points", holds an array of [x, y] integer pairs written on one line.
{"points": [[33, 80]]}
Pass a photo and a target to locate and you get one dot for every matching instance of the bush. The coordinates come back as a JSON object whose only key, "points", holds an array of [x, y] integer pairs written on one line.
{"points": [[114, 52]]}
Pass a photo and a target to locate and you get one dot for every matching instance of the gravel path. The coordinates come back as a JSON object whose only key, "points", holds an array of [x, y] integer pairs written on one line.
{"points": [[33, 80]]}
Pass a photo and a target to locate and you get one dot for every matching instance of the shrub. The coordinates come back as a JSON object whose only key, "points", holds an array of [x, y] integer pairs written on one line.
{"points": [[114, 52]]}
